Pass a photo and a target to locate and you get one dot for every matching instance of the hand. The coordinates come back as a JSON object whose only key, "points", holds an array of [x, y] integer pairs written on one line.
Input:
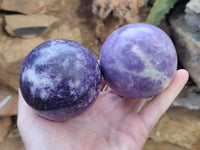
{"points": [[112, 123]]}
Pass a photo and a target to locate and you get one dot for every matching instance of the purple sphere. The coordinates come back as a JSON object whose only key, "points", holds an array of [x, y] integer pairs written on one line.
{"points": [[138, 60], [60, 79]]}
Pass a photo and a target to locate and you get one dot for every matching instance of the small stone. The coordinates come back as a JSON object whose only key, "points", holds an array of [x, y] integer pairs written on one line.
{"points": [[8, 101], [5, 123], [187, 43], [28, 25], [179, 125]]}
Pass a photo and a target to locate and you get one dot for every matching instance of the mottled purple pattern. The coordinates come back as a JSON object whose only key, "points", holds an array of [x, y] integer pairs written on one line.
{"points": [[138, 60], [60, 79]]}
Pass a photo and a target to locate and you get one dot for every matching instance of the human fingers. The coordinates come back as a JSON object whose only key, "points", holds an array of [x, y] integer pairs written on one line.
{"points": [[151, 113], [24, 110], [103, 85]]}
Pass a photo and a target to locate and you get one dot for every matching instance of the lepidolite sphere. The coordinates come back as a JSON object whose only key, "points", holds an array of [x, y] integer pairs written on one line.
{"points": [[138, 60], [60, 79]]}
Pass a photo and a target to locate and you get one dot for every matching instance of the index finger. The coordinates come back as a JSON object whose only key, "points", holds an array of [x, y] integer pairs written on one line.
{"points": [[152, 112], [24, 111]]}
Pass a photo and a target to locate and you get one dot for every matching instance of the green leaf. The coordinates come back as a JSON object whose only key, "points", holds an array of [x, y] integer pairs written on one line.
{"points": [[159, 10]]}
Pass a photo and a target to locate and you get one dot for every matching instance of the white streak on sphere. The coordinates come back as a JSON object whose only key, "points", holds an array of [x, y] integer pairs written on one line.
{"points": [[150, 70], [38, 80]]}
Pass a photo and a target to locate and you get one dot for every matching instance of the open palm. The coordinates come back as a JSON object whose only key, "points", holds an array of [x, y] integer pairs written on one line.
{"points": [[112, 123]]}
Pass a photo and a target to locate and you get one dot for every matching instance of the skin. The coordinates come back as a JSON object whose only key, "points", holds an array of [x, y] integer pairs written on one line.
{"points": [[112, 123]]}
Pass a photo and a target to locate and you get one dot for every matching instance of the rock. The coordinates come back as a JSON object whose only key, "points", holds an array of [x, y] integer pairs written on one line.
{"points": [[74, 31], [188, 98], [193, 5], [32, 7], [5, 123], [64, 31], [180, 126], [12, 141], [8, 101], [122, 9], [113, 14], [187, 43], [28, 25], [152, 145], [192, 16]]}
